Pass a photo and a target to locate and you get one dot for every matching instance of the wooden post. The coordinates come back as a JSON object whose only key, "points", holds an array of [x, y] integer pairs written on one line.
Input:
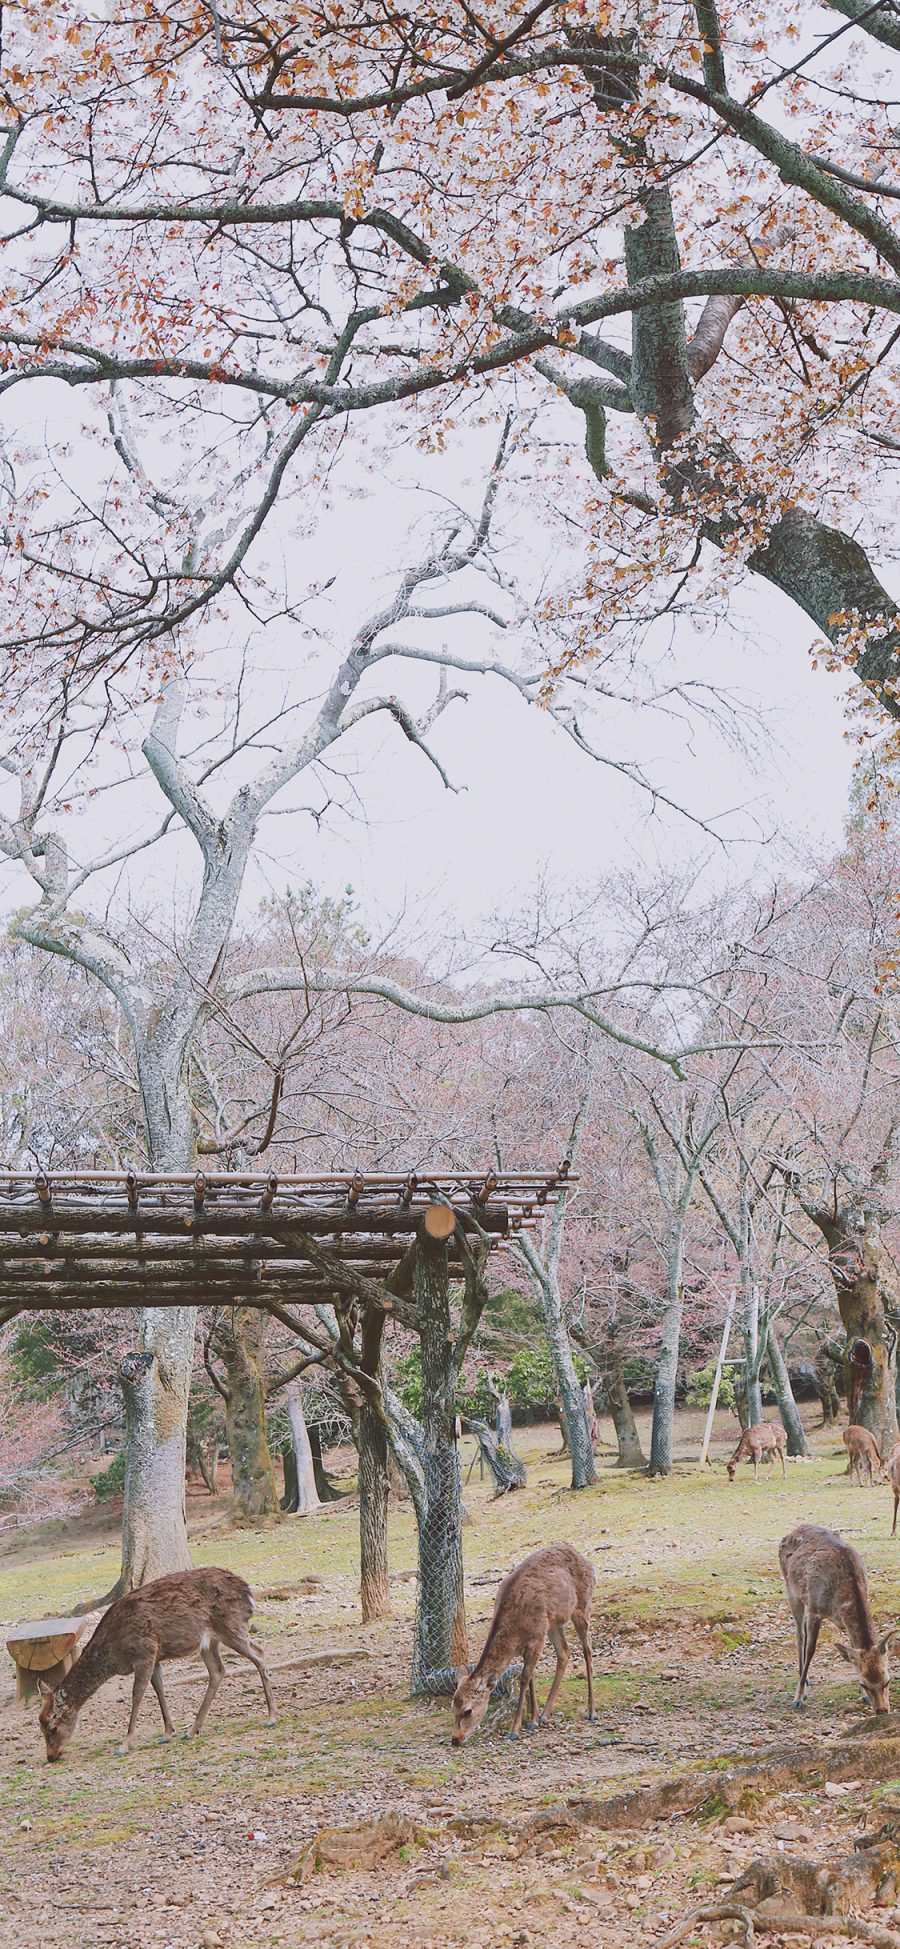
{"points": [[47, 1649], [717, 1378]]}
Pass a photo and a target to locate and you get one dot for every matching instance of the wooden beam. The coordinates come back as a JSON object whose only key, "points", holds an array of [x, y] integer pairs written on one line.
{"points": [[216, 1222], [439, 1222]]}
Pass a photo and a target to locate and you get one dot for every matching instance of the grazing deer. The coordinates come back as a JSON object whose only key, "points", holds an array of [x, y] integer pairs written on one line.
{"points": [[542, 1594], [194, 1610], [761, 1440], [862, 1449], [826, 1578]]}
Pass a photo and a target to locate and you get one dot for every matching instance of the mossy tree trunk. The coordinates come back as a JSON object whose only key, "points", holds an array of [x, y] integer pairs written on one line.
{"points": [[238, 1340], [440, 1642]]}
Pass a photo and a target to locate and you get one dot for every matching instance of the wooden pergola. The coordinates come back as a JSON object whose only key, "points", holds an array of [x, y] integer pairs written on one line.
{"points": [[78, 1240]]}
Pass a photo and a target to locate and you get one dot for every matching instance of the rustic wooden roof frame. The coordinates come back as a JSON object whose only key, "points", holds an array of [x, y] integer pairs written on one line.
{"points": [[81, 1240]]}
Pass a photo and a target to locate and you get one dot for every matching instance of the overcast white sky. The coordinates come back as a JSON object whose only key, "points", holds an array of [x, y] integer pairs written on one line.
{"points": [[528, 802]]}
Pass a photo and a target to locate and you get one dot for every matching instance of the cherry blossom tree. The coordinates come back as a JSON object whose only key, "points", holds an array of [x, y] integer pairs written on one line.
{"points": [[679, 225]]}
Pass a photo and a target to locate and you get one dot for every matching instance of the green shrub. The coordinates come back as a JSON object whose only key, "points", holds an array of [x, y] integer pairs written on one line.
{"points": [[700, 1385], [408, 1378], [477, 1399], [111, 1481]]}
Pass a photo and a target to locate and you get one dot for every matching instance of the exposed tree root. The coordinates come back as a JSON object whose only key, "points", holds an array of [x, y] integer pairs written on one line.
{"points": [[787, 1921]]}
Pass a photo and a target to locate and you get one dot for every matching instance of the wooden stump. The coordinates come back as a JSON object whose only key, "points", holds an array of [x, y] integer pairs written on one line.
{"points": [[47, 1649]]}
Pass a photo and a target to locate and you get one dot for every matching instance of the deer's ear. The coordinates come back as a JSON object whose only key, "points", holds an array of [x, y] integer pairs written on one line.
{"points": [[461, 1674], [846, 1650], [46, 1691], [888, 1639]]}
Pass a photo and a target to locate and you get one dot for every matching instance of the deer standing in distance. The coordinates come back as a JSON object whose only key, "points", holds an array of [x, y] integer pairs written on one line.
{"points": [[550, 1588], [761, 1440], [193, 1610], [825, 1578], [862, 1449]]}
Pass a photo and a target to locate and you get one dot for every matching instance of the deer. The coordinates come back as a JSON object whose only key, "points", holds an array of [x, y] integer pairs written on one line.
{"points": [[551, 1588], [761, 1440], [825, 1578], [192, 1610], [862, 1449]]}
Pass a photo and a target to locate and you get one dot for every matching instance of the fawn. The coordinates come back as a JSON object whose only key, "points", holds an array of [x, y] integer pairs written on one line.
{"points": [[762, 1439], [826, 1578], [533, 1603], [862, 1449], [193, 1610]]}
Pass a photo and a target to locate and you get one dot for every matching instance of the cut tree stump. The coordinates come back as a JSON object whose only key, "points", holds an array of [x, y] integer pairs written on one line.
{"points": [[47, 1649]]}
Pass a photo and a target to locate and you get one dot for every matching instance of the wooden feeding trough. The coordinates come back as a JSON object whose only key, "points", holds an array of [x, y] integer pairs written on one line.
{"points": [[47, 1649]]}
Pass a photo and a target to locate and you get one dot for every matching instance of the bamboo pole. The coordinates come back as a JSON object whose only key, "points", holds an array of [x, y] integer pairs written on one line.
{"points": [[717, 1378]]}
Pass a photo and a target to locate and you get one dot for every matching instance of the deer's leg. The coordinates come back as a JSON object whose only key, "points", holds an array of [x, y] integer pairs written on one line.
{"points": [[798, 1621], [532, 1705], [529, 1666], [781, 1459], [212, 1659], [896, 1500], [156, 1680], [242, 1642], [143, 1673], [583, 1627], [756, 1465], [563, 1654], [813, 1626]]}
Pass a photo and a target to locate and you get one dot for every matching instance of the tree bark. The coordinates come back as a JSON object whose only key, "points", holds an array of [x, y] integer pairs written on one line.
{"points": [[155, 1381], [325, 1488], [828, 1358], [204, 1457], [440, 1634], [306, 1493], [667, 1367], [502, 1413], [590, 1412], [631, 1454], [797, 1443], [754, 1348], [239, 1342], [157, 1377], [374, 1580], [571, 1399], [868, 1297], [290, 1498]]}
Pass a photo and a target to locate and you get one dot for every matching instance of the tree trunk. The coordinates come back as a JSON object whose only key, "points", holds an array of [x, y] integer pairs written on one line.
{"points": [[503, 1425], [204, 1457], [374, 1582], [506, 1469], [325, 1488], [155, 1382], [868, 1296], [573, 1413], [239, 1342], [289, 1500], [797, 1443], [753, 1352], [667, 1368], [156, 1378], [828, 1358], [631, 1454], [306, 1493], [440, 1629]]}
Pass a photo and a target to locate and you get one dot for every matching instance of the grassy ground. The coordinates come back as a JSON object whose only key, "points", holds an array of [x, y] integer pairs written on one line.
{"points": [[188, 1844]]}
